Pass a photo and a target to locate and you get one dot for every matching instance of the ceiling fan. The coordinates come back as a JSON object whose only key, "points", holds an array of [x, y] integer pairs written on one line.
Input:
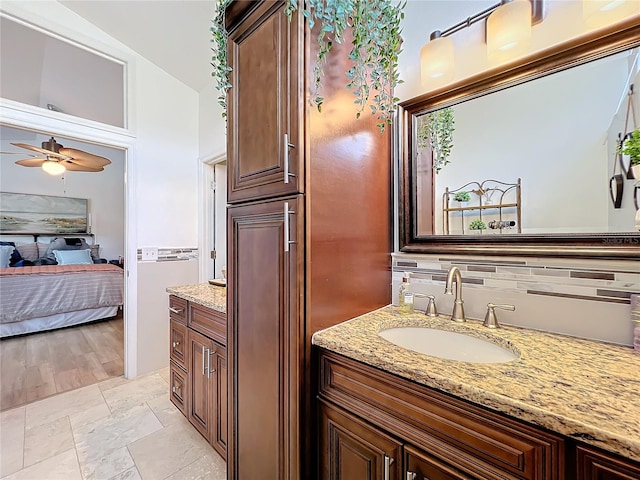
{"points": [[57, 159]]}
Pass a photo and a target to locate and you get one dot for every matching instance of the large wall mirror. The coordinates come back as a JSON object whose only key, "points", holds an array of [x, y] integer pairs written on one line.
{"points": [[534, 147]]}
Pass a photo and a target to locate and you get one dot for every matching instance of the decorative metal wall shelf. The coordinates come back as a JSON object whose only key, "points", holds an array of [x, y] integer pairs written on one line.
{"points": [[481, 192]]}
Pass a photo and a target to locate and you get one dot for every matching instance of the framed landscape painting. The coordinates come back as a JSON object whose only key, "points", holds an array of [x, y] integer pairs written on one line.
{"points": [[21, 213]]}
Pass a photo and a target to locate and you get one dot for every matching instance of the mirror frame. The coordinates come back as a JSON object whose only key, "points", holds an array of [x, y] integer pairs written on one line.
{"points": [[591, 46]]}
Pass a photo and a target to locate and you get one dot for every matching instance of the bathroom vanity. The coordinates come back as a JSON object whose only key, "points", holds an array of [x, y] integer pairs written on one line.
{"points": [[198, 359], [565, 408]]}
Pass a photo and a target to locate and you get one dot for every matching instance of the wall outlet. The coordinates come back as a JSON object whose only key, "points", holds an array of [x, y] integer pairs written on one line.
{"points": [[150, 254]]}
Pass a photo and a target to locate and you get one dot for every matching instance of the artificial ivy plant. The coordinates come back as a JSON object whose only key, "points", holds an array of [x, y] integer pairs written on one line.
{"points": [[435, 130], [376, 44]]}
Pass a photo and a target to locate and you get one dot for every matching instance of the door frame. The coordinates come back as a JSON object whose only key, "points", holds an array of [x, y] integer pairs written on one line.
{"points": [[19, 115], [206, 213]]}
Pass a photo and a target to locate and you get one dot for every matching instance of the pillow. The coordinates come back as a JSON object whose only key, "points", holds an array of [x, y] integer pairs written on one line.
{"points": [[28, 251], [73, 257], [60, 243], [15, 256], [42, 249], [5, 255]]}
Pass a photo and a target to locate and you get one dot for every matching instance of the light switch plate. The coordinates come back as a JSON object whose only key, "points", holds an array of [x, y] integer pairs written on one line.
{"points": [[149, 254]]}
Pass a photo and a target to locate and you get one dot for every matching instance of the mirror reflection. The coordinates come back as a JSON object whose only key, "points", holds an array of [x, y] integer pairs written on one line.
{"points": [[536, 158]]}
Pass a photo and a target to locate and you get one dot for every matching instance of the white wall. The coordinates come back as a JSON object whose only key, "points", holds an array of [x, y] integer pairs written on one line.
{"points": [[104, 190]]}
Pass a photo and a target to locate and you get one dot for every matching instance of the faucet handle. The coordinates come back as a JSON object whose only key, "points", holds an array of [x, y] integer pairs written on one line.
{"points": [[490, 319], [431, 310]]}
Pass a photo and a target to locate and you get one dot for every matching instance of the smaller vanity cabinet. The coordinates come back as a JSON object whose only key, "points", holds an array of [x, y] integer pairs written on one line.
{"points": [[420, 433], [595, 465], [198, 368]]}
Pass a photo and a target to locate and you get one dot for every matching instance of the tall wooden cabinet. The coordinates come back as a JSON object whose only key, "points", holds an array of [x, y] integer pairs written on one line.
{"points": [[309, 232]]}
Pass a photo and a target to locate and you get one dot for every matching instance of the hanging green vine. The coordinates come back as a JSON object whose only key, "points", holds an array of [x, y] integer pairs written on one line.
{"points": [[435, 131], [375, 48], [219, 63]]}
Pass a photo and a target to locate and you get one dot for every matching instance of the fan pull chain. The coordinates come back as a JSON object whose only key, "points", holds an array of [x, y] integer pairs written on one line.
{"points": [[64, 184]]}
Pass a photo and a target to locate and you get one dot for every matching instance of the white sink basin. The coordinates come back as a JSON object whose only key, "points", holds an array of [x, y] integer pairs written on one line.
{"points": [[448, 345]]}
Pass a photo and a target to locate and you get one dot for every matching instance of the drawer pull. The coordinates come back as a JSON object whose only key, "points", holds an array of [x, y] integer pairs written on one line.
{"points": [[412, 476], [387, 467], [175, 344], [287, 146], [176, 310]]}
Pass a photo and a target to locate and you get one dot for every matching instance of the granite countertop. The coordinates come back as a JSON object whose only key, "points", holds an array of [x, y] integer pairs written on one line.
{"points": [[204, 294], [584, 389]]}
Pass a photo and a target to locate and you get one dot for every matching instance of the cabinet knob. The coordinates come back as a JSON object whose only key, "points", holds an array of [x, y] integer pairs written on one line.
{"points": [[173, 389], [175, 344], [411, 476]]}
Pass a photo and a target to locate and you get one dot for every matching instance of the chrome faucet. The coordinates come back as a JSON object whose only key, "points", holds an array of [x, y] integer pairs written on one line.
{"points": [[454, 275]]}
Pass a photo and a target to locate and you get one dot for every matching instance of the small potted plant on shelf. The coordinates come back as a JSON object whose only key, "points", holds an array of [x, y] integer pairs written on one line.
{"points": [[477, 226], [631, 147], [462, 197]]}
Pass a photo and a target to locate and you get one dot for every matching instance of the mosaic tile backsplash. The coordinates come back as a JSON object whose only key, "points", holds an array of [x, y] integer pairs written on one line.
{"points": [[584, 298]]}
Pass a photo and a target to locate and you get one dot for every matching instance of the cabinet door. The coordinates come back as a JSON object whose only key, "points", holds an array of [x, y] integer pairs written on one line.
{"points": [[353, 450], [264, 317], [264, 105], [595, 465], [200, 403], [178, 387], [219, 365], [177, 343], [421, 466]]}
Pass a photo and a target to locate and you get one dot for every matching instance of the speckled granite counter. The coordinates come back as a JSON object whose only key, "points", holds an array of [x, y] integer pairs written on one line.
{"points": [[203, 294], [580, 388]]}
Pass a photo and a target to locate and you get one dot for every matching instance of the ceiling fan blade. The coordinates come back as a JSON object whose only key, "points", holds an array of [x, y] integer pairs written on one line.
{"points": [[17, 153], [31, 162], [41, 150], [84, 158], [75, 167]]}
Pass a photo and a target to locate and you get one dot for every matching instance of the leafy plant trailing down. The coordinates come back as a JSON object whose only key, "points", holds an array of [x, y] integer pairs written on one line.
{"points": [[375, 48], [436, 131], [631, 147]]}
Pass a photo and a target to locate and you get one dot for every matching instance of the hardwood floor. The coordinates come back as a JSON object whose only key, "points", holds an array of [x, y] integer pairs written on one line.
{"points": [[38, 365]]}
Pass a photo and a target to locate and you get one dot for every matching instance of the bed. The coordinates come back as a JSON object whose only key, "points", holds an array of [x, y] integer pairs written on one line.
{"points": [[45, 297]]}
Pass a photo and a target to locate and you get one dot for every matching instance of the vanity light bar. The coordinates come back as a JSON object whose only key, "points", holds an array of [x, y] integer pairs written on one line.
{"points": [[538, 12]]}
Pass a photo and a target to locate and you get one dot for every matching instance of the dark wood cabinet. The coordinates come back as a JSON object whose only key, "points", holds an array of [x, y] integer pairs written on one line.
{"points": [[198, 370], [597, 465], [178, 343], [264, 148], [178, 387], [354, 450], [333, 172], [420, 466]]}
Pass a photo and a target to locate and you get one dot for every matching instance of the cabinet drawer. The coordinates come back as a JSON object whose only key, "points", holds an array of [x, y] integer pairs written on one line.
{"points": [[420, 465], [208, 322], [177, 343], [483, 443], [177, 309], [592, 464], [178, 387]]}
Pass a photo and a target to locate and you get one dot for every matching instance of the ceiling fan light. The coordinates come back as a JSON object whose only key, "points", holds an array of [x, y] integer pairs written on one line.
{"points": [[53, 168]]}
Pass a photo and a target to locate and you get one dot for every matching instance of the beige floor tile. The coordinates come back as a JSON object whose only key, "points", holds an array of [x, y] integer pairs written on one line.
{"points": [[61, 467], [208, 467], [101, 444], [113, 382], [164, 373], [65, 404], [89, 415], [130, 474], [47, 440], [11, 440], [166, 411], [135, 393], [165, 452]]}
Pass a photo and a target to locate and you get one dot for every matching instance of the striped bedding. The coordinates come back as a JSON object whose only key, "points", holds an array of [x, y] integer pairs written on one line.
{"points": [[40, 291]]}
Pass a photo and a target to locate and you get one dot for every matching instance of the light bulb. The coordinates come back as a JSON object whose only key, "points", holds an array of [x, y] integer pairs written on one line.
{"points": [[437, 61], [509, 30], [600, 13], [53, 168]]}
